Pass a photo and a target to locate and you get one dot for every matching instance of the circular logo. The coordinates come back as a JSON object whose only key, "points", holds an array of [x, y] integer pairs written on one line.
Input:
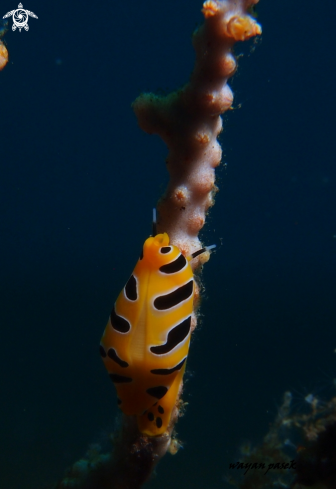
{"points": [[20, 18]]}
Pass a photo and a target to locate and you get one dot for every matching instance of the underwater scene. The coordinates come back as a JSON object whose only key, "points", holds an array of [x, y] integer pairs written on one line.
{"points": [[78, 183]]}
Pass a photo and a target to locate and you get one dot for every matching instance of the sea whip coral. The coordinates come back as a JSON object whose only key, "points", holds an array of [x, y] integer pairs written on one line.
{"points": [[189, 122]]}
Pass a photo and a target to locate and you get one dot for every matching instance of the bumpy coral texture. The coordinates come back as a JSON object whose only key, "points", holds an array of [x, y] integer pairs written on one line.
{"points": [[189, 122]]}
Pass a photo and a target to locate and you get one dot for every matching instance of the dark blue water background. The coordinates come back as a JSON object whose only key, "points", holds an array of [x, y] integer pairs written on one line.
{"points": [[78, 180]]}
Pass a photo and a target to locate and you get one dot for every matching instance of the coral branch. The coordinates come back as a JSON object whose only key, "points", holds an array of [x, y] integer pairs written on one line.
{"points": [[128, 467], [189, 122]]}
